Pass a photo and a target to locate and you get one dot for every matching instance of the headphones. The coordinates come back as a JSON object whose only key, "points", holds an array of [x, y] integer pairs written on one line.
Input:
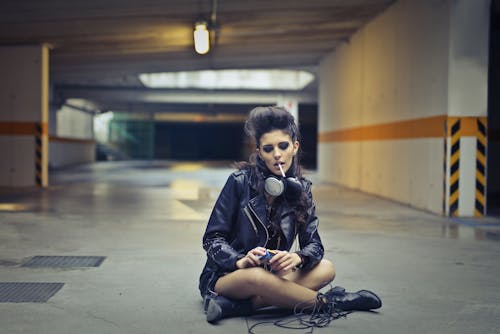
{"points": [[275, 185], [290, 186]]}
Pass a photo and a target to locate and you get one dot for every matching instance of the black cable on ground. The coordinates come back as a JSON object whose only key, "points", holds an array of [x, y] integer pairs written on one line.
{"points": [[304, 318]]}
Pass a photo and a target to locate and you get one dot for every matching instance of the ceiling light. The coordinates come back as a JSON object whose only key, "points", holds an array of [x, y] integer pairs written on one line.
{"points": [[230, 79], [201, 37]]}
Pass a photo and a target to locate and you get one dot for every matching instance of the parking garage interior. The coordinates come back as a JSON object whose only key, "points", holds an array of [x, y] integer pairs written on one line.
{"points": [[400, 128]]}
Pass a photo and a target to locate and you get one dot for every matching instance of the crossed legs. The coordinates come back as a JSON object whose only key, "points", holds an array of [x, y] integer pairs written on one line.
{"points": [[265, 288]]}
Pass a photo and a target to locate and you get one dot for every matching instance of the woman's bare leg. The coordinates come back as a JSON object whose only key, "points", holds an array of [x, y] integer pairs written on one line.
{"points": [[265, 288], [315, 279], [269, 289]]}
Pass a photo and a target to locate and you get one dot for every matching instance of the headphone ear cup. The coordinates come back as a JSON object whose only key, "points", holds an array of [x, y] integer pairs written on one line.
{"points": [[293, 188], [274, 186]]}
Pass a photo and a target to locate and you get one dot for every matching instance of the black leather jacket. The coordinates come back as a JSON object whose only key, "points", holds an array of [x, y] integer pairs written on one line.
{"points": [[238, 224]]}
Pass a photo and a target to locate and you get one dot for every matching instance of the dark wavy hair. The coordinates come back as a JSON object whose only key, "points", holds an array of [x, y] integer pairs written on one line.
{"points": [[260, 121]]}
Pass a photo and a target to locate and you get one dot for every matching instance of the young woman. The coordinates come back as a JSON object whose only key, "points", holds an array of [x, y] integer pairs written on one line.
{"points": [[266, 205]]}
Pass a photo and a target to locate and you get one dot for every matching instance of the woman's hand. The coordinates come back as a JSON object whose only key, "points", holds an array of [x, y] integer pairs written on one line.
{"points": [[283, 262], [251, 259]]}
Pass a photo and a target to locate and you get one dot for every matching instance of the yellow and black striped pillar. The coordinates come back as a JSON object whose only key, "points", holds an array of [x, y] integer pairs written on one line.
{"points": [[38, 155], [445, 165], [480, 200], [454, 167]]}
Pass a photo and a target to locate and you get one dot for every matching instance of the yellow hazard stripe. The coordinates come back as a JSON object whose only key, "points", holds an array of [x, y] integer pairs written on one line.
{"points": [[481, 146]]}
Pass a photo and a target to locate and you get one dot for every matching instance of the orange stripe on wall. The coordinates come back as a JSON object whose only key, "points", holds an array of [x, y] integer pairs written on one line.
{"points": [[21, 128], [429, 127], [71, 140]]}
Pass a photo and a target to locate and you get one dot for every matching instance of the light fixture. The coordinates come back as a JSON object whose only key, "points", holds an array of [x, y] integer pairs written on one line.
{"points": [[201, 37], [252, 79]]}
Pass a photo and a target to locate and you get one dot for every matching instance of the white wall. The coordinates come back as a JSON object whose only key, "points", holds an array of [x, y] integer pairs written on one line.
{"points": [[17, 166], [395, 68], [469, 47], [73, 143], [73, 123], [66, 152]]}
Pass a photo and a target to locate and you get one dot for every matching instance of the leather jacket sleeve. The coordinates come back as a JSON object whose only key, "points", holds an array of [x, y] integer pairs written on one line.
{"points": [[219, 227], [311, 247]]}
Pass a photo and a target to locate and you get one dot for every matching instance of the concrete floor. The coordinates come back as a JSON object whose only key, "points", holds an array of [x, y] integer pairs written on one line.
{"points": [[434, 275]]}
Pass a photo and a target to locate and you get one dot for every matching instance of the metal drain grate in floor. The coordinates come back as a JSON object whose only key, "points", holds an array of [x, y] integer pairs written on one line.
{"points": [[22, 292], [64, 261]]}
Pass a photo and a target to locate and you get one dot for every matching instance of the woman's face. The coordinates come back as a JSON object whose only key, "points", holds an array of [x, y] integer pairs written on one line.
{"points": [[276, 148]]}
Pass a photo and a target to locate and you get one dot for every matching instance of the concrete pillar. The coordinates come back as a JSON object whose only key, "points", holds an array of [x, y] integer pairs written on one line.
{"points": [[467, 107], [24, 95]]}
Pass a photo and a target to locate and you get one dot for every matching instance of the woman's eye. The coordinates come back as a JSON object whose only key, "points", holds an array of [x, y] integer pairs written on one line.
{"points": [[267, 148], [283, 145]]}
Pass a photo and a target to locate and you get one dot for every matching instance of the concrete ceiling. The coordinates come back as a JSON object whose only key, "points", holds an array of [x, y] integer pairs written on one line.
{"points": [[98, 47]]}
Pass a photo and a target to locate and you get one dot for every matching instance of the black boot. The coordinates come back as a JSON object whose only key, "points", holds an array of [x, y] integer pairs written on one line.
{"points": [[219, 307], [362, 300]]}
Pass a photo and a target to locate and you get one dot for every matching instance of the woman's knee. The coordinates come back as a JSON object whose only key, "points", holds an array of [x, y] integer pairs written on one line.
{"points": [[241, 283], [258, 277], [254, 277], [327, 270]]}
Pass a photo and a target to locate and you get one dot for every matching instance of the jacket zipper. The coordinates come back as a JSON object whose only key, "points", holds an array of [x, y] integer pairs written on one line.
{"points": [[261, 223], [249, 216]]}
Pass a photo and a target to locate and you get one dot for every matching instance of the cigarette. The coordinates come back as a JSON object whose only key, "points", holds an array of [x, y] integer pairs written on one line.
{"points": [[281, 169]]}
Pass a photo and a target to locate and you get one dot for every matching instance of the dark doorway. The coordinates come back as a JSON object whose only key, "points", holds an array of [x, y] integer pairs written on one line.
{"points": [[199, 141], [308, 123]]}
